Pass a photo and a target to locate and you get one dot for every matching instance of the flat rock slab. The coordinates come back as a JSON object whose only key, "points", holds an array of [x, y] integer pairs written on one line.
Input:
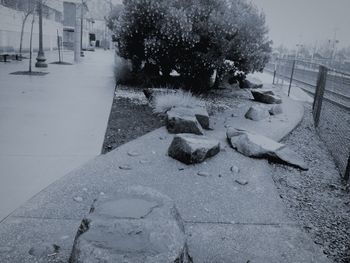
{"points": [[257, 113], [255, 145], [136, 225], [183, 122], [266, 96], [190, 149]]}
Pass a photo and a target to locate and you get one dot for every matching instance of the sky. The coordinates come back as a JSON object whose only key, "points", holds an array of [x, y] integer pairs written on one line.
{"points": [[294, 22]]}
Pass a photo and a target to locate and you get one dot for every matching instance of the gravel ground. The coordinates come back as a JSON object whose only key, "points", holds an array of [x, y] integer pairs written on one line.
{"points": [[318, 199]]}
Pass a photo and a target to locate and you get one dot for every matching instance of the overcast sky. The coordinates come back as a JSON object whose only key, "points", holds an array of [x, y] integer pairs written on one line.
{"points": [[305, 21]]}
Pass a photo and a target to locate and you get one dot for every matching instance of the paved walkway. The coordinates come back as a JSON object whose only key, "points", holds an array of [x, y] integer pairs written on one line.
{"points": [[224, 221], [50, 124]]}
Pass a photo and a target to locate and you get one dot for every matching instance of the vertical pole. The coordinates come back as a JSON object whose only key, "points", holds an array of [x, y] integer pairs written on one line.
{"points": [[347, 171], [41, 55], [291, 78], [274, 72], [77, 38], [81, 28], [321, 84], [31, 45], [59, 47]]}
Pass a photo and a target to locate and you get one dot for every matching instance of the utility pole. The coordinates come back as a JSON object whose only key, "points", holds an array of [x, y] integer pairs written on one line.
{"points": [[41, 55]]}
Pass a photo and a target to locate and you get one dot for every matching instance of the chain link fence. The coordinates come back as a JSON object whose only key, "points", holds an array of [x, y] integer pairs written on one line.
{"points": [[331, 108]]}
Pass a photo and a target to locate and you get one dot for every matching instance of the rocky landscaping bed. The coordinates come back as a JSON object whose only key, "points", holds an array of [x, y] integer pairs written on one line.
{"points": [[316, 198], [130, 118]]}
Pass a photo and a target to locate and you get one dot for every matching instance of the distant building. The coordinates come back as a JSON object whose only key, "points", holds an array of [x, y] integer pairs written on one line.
{"points": [[60, 17], [11, 17], [72, 12]]}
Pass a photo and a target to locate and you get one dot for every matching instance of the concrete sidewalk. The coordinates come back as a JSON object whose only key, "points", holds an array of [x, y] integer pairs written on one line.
{"points": [[225, 222], [50, 124]]}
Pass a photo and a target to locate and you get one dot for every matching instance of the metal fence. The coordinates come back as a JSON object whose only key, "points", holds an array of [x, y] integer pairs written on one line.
{"points": [[331, 107]]}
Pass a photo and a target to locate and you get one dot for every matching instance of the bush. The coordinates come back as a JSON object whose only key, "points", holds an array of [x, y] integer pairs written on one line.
{"points": [[167, 100], [194, 37]]}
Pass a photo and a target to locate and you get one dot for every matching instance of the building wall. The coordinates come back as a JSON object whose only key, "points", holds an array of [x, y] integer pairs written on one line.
{"points": [[71, 19], [10, 28]]}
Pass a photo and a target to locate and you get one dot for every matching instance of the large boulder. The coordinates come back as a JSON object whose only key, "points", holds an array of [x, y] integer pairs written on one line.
{"points": [[251, 83], [199, 112], [276, 109], [266, 96], [257, 113], [190, 149], [136, 225], [254, 145], [183, 122]]}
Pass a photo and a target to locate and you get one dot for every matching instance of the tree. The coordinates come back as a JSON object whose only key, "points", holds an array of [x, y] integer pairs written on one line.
{"points": [[27, 7], [194, 37]]}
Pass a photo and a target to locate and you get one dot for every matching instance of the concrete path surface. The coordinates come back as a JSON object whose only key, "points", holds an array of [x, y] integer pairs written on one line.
{"points": [[225, 221], [50, 124]]}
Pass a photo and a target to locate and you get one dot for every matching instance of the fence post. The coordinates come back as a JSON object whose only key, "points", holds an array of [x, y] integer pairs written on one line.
{"points": [[274, 72], [347, 170], [320, 87], [291, 77]]}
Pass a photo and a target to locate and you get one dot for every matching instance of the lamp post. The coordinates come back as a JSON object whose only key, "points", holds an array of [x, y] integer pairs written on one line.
{"points": [[41, 55], [81, 28]]}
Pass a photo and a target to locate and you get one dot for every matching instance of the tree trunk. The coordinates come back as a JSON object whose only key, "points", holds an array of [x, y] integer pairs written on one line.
{"points": [[30, 45], [22, 32]]}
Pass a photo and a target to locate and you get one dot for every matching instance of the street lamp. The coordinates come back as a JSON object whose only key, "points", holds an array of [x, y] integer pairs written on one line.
{"points": [[41, 55], [81, 28]]}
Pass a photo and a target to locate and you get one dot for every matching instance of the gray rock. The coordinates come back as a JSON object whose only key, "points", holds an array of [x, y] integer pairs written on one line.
{"points": [[276, 109], [266, 96], [204, 174], [189, 149], [125, 167], [255, 145], [180, 122], [251, 83], [241, 182], [287, 156], [199, 112], [234, 169], [257, 113], [136, 225]]}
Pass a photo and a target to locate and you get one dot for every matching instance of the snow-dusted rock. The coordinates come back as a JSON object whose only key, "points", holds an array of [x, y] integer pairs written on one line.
{"points": [[257, 113], [190, 149], [276, 109], [200, 113], [183, 122], [266, 96], [255, 145], [251, 83], [136, 225]]}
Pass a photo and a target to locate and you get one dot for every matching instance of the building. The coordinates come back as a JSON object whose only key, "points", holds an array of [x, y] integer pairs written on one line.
{"points": [[12, 13], [73, 11], [60, 17]]}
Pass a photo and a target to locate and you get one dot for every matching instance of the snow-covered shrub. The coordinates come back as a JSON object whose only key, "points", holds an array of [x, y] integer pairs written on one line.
{"points": [[166, 100], [193, 37]]}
